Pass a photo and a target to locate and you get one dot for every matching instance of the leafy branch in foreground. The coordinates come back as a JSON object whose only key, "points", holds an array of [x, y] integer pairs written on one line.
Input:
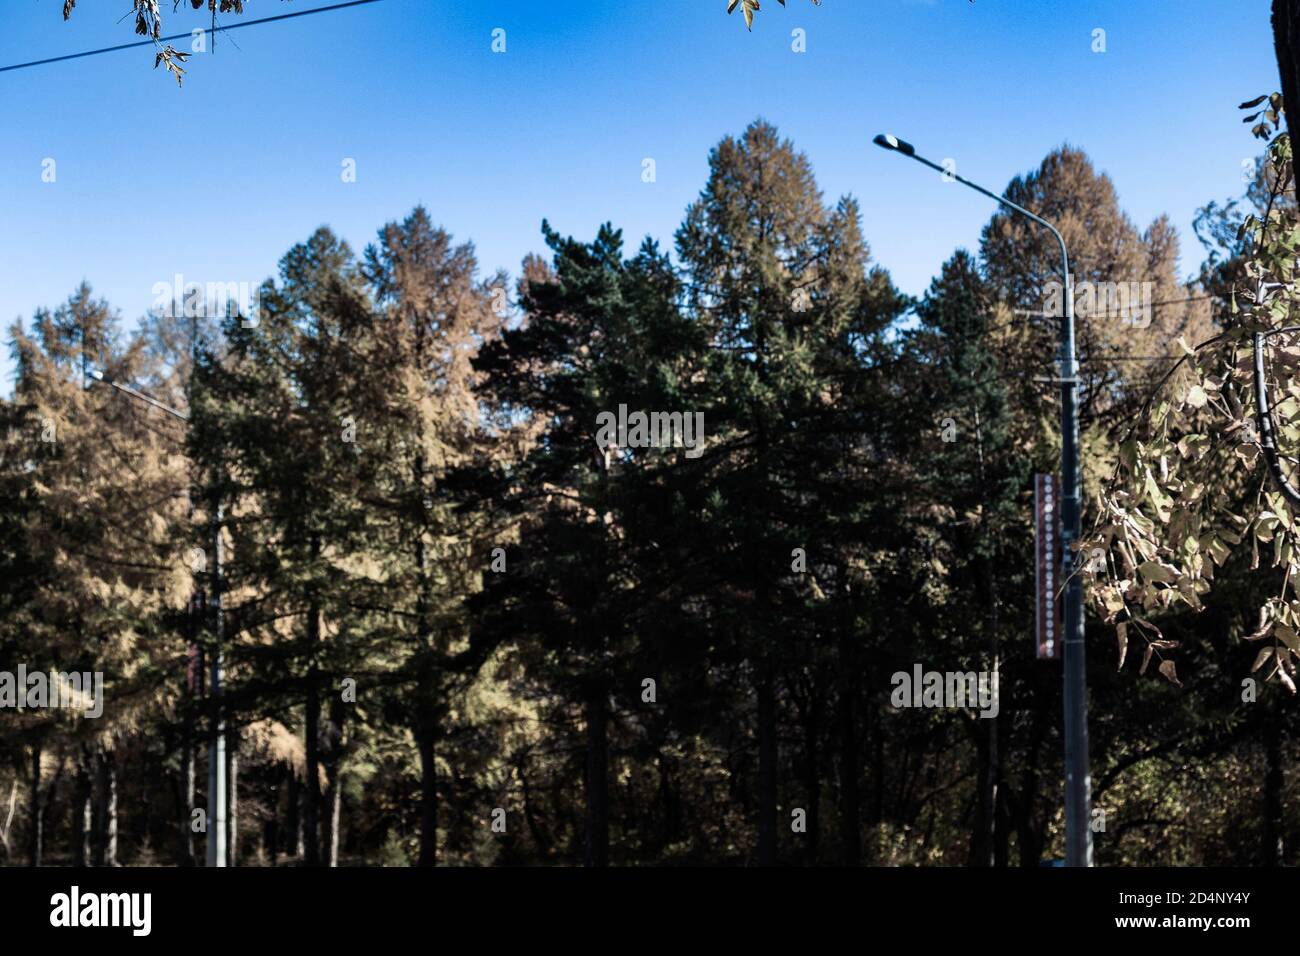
{"points": [[748, 7], [148, 23], [1186, 490], [148, 18]]}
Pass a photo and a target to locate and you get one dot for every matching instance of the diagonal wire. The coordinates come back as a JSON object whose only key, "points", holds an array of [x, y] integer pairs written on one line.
{"points": [[187, 35]]}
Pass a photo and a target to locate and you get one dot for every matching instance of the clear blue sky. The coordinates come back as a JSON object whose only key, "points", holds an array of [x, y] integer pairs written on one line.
{"points": [[216, 180]]}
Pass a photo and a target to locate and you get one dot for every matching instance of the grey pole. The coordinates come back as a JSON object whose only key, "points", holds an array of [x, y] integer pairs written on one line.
{"points": [[217, 727], [216, 855], [1078, 783]]}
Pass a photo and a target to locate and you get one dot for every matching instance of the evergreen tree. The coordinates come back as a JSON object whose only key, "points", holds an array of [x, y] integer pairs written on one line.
{"points": [[432, 540], [779, 283]]}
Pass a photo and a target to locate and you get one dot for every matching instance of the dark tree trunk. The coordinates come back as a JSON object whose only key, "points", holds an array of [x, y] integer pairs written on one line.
{"points": [[1272, 852], [311, 732], [425, 739], [984, 833], [812, 777], [767, 757], [596, 842], [311, 785], [185, 845], [83, 812], [293, 825], [271, 829], [1286, 46], [336, 739], [1028, 829], [426, 731], [1002, 845], [670, 802], [981, 837], [876, 806], [993, 770], [540, 838], [850, 800], [35, 826]]}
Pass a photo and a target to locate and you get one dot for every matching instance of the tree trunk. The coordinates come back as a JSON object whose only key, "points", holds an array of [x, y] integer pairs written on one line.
{"points": [[311, 785], [981, 845], [293, 825], [812, 777], [271, 834], [596, 843], [35, 827], [1002, 845], [669, 800], [989, 789], [194, 671], [335, 810], [984, 834], [311, 734], [106, 843], [1273, 849], [232, 798], [336, 738], [424, 738], [6, 829], [1286, 46], [850, 800], [767, 756], [426, 722], [540, 839], [83, 812], [1028, 828]]}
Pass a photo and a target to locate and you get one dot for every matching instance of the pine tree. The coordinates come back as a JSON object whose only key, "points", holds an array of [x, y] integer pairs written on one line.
{"points": [[278, 433], [433, 544], [102, 479], [780, 283], [601, 333]]}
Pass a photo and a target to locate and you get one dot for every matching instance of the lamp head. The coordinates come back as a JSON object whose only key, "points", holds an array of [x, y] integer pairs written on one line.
{"points": [[888, 141]]}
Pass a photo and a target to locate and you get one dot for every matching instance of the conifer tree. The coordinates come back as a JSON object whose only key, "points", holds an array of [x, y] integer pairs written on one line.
{"points": [[780, 284], [432, 540]]}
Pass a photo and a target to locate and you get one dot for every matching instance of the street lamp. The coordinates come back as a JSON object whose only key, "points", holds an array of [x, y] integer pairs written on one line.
{"points": [[216, 855], [1078, 833]]}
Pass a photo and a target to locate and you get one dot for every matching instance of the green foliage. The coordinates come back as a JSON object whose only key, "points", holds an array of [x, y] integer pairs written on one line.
{"points": [[414, 503], [1191, 483]]}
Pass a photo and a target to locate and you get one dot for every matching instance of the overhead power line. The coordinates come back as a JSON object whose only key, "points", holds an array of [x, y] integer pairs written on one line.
{"points": [[187, 35]]}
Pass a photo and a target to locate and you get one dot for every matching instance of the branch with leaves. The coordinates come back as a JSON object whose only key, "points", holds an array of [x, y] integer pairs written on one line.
{"points": [[1169, 515], [749, 7], [149, 21]]}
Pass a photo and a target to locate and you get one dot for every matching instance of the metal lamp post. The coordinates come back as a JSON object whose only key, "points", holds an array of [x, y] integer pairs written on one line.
{"points": [[1078, 832]]}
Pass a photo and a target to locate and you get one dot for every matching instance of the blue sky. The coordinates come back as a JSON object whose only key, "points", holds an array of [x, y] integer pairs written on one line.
{"points": [[216, 180]]}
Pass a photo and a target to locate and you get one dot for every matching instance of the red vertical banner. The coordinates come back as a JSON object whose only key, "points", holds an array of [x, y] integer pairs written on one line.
{"points": [[1047, 565]]}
